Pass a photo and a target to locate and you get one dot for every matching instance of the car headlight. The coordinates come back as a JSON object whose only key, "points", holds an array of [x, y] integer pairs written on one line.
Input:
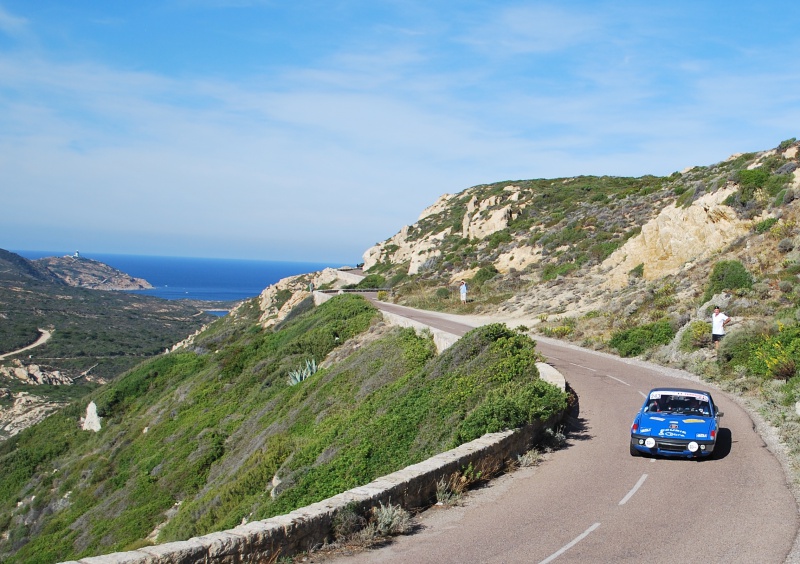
{"points": [[692, 446], [650, 442]]}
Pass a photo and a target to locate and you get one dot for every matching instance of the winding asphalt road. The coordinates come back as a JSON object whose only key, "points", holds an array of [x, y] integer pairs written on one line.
{"points": [[594, 502]]}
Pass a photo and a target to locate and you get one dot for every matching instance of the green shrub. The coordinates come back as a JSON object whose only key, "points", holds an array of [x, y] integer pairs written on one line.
{"points": [[776, 355], [738, 346], [696, 336], [512, 405], [634, 341], [282, 297], [485, 273], [552, 271], [685, 199], [727, 275], [442, 293], [371, 281], [499, 237], [637, 271], [765, 225]]}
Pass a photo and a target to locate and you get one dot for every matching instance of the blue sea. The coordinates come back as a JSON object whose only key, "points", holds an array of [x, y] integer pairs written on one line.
{"points": [[207, 279]]}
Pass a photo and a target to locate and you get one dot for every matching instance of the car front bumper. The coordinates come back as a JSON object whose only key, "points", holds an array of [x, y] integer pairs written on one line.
{"points": [[672, 447]]}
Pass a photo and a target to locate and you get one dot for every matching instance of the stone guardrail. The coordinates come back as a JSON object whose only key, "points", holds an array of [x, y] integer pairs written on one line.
{"points": [[304, 529]]}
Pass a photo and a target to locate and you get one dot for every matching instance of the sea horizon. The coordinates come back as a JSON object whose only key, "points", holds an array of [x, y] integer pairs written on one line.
{"points": [[195, 278]]}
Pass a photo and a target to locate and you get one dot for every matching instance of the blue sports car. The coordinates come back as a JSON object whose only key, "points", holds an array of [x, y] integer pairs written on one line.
{"points": [[676, 422]]}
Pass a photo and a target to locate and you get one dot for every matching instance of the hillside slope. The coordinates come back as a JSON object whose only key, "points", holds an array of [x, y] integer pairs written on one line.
{"points": [[198, 441]]}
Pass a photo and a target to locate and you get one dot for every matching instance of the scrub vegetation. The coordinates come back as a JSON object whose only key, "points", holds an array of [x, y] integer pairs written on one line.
{"points": [[197, 441]]}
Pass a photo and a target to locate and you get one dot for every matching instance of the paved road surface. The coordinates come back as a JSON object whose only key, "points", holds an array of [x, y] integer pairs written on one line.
{"points": [[593, 502]]}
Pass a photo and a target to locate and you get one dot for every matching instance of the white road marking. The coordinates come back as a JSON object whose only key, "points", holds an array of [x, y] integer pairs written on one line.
{"points": [[582, 366], [644, 395], [577, 539], [620, 381], [633, 491]]}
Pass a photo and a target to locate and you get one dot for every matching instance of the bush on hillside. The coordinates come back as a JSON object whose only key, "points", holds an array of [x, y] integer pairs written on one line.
{"points": [[726, 276], [368, 282], [738, 346], [512, 405], [485, 273], [696, 336], [634, 341], [776, 355]]}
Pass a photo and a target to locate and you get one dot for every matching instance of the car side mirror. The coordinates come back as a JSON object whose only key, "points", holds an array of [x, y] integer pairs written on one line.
{"points": [[720, 414]]}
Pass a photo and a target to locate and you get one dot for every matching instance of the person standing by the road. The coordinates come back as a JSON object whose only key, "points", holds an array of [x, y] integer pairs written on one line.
{"points": [[718, 322], [463, 291]]}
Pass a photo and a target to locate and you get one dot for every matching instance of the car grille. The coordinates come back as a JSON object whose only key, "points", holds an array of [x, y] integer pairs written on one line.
{"points": [[672, 447]]}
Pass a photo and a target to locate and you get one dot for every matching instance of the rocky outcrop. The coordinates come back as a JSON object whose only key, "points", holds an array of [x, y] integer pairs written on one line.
{"points": [[279, 299], [87, 273], [484, 217], [416, 247], [92, 421], [33, 374], [676, 238], [26, 410]]}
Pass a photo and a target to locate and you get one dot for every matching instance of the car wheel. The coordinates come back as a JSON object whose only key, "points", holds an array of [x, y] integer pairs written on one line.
{"points": [[634, 452]]}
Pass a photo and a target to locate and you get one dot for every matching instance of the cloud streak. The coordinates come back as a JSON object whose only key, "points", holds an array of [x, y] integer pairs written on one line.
{"points": [[326, 145]]}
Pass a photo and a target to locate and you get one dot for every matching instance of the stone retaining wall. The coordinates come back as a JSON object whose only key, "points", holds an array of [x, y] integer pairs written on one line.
{"points": [[413, 487]]}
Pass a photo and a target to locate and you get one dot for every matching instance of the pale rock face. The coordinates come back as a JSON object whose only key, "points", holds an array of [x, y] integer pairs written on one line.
{"points": [[677, 237], [480, 221], [91, 422], [439, 206], [33, 374], [26, 411], [416, 253], [298, 285]]}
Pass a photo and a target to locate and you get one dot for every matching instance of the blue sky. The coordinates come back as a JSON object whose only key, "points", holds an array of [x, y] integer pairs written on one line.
{"points": [[311, 130]]}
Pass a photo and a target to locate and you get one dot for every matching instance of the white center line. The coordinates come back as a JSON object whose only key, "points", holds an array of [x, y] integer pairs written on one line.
{"points": [[620, 381], [633, 491], [582, 366], [578, 539]]}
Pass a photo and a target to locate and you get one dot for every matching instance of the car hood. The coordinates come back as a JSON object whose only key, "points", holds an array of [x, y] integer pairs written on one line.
{"points": [[676, 426]]}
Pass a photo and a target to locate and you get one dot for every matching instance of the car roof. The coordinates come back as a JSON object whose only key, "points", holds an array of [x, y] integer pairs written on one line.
{"points": [[688, 390]]}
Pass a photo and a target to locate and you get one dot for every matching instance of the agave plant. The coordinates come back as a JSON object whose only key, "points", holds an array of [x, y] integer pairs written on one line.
{"points": [[297, 376]]}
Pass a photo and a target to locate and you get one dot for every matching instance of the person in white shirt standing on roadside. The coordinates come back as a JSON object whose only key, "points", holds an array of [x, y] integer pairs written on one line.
{"points": [[718, 322]]}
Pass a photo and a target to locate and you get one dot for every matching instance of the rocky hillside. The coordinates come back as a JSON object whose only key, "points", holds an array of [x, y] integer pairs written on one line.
{"points": [[632, 266], [81, 272]]}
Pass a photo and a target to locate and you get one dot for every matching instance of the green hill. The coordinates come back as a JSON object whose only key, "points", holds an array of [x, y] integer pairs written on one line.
{"points": [[217, 435]]}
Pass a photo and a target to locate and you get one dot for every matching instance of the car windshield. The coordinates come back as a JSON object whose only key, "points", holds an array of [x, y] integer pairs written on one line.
{"points": [[678, 404]]}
